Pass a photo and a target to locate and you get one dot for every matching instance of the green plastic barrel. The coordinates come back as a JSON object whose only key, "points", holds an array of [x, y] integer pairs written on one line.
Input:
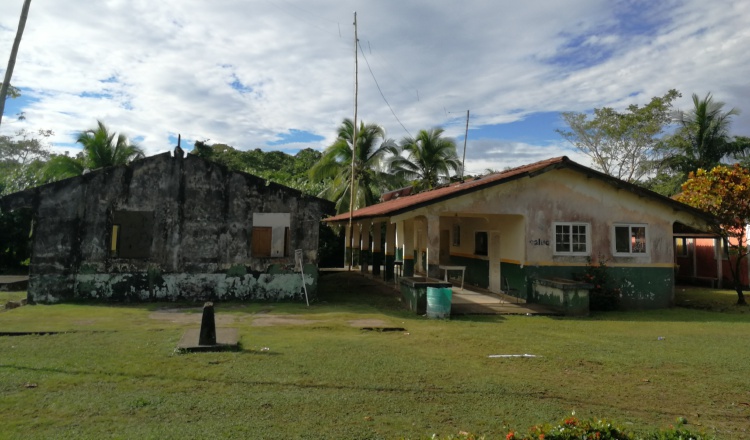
{"points": [[439, 302]]}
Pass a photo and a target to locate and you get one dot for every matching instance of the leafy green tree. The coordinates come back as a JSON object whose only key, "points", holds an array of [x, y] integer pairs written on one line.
{"points": [[15, 246], [335, 166], [13, 92], [664, 182], [276, 166], [724, 192], [425, 160], [202, 149], [621, 144], [101, 148], [22, 159], [305, 159]]}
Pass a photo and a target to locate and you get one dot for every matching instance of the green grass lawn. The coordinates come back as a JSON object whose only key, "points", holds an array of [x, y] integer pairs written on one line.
{"points": [[11, 296], [113, 372]]}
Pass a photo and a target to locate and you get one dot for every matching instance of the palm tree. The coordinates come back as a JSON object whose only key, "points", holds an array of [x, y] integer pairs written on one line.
{"points": [[335, 166], [429, 159], [101, 148], [702, 139], [62, 166]]}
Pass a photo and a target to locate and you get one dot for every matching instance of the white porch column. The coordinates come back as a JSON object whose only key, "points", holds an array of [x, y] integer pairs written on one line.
{"points": [[433, 246], [356, 244], [377, 248], [390, 249], [407, 245], [364, 253]]}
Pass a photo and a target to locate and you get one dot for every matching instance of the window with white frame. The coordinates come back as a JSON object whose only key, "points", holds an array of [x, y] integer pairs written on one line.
{"points": [[572, 238], [630, 240]]}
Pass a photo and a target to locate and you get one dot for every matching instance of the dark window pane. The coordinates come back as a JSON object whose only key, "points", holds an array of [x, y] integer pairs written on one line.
{"points": [[480, 243], [562, 238], [622, 239]]}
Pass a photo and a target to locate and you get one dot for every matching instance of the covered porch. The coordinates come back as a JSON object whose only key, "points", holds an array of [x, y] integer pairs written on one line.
{"points": [[480, 251]]}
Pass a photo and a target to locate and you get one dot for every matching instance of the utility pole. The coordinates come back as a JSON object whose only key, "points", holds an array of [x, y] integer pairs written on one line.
{"points": [[354, 146], [13, 53], [466, 136]]}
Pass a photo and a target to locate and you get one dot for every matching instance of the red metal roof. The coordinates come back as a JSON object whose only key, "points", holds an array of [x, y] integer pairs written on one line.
{"points": [[405, 203]]}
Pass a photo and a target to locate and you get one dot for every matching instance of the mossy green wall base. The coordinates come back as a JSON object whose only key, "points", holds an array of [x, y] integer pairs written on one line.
{"points": [[567, 297], [515, 277], [641, 287], [377, 261], [409, 268], [389, 260], [277, 284], [364, 260]]}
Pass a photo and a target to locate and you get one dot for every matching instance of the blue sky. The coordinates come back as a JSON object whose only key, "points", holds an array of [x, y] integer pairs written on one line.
{"points": [[279, 74]]}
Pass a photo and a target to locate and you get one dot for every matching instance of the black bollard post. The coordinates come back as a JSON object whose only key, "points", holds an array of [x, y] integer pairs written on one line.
{"points": [[208, 326]]}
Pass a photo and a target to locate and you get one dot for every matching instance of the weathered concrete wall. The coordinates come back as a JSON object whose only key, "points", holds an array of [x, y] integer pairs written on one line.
{"points": [[200, 219]]}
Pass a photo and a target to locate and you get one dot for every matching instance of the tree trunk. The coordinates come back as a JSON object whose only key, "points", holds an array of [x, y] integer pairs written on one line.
{"points": [[13, 53], [740, 297], [736, 268]]}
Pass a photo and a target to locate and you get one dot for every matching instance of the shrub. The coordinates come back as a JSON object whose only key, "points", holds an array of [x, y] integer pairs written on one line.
{"points": [[573, 428], [604, 295]]}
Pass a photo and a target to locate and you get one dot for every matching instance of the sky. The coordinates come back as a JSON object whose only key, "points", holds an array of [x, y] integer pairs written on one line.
{"points": [[280, 74]]}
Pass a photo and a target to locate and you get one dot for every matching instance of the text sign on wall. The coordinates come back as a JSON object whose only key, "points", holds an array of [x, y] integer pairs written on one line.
{"points": [[539, 242]]}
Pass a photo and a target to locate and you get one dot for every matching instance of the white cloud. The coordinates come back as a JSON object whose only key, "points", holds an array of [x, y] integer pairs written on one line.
{"points": [[155, 69]]}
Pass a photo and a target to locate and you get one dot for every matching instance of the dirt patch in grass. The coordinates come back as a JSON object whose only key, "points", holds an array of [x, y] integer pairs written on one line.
{"points": [[272, 320], [189, 316], [367, 323]]}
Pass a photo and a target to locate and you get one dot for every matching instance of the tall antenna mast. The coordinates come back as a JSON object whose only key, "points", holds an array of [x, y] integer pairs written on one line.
{"points": [[466, 136], [354, 145]]}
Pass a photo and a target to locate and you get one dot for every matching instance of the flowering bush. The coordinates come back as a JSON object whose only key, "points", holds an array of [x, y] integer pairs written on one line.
{"points": [[604, 295], [573, 428]]}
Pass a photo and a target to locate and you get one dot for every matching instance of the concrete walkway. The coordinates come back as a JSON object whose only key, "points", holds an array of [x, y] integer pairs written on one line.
{"points": [[468, 302], [472, 300]]}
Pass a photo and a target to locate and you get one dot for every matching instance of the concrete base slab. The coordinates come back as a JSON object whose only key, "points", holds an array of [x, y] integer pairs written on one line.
{"points": [[13, 283], [471, 300], [226, 339]]}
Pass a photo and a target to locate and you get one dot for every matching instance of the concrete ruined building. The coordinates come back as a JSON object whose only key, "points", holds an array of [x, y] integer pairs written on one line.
{"points": [[169, 228]]}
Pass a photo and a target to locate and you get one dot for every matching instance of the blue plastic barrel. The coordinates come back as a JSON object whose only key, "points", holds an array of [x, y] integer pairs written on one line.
{"points": [[439, 302]]}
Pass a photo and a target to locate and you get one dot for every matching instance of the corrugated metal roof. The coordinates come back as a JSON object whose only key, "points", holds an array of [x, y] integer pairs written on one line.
{"points": [[402, 204]]}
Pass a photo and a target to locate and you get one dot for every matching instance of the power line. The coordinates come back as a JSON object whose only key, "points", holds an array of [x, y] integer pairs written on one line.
{"points": [[308, 17], [380, 90], [399, 79]]}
